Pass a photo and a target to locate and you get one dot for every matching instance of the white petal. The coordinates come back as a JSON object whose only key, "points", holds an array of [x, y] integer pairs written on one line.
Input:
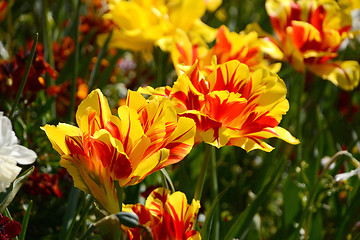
{"points": [[7, 135], [346, 176], [22, 154], [8, 172]]}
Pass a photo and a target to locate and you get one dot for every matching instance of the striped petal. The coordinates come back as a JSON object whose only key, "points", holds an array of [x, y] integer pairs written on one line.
{"points": [[344, 74], [168, 216]]}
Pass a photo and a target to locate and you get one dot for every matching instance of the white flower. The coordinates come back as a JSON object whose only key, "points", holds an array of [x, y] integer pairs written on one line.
{"points": [[11, 154], [347, 175]]}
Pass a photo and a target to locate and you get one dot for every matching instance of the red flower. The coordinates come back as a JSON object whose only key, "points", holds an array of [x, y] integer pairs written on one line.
{"points": [[8, 228], [43, 184], [11, 73]]}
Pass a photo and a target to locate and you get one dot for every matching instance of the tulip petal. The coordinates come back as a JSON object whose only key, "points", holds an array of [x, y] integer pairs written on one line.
{"points": [[57, 134], [344, 74]]}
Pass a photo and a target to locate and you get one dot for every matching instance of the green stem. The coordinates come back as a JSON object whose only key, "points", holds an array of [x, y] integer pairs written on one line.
{"points": [[202, 175], [76, 64], [8, 214], [166, 178], [299, 149], [98, 62], [48, 52], [214, 193], [26, 73], [70, 211], [119, 192], [88, 232], [25, 221]]}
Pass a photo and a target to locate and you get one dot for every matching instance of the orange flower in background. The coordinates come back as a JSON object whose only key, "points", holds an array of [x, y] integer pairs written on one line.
{"points": [[62, 94], [146, 137], [62, 51], [168, 216], [231, 106], [309, 34], [4, 6], [246, 47], [139, 25]]}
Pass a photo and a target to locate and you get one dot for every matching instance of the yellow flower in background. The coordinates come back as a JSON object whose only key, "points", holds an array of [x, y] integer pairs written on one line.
{"points": [[168, 216], [231, 106], [309, 34], [146, 137], [245, 47], [212, 5], [142, 24]]}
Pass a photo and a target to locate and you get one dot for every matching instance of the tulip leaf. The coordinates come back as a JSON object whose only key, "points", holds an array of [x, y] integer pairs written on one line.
{"points": [[98, 61], [6, 198], [25, 221], [128, 219], [210, 213]]}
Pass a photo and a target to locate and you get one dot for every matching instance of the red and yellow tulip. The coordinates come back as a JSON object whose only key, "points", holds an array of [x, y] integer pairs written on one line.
{"points": [[245, 47], [139, 25], [146, 137], [168, 216], [231, 106], [309, 33]]}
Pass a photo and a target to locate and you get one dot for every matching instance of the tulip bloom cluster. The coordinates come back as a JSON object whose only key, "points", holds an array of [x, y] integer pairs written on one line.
{"points": [[168, 216], [146, 137], [156, 23]]}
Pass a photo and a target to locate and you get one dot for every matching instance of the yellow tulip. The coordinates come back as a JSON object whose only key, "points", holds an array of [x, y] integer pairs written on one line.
{"points": [[231, 106], [146, 137], [309, 32], [139, 25]]}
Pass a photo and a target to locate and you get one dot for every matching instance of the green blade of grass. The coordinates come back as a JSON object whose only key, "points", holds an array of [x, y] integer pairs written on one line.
{"points": [[26, 73], [97, 64], [25, 221], [70, 212], [201, 179]]}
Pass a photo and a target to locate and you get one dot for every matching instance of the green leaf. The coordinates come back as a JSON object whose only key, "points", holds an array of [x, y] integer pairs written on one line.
{"points": [[25, 221], [98, 61], [128, 219], [6, 198]]}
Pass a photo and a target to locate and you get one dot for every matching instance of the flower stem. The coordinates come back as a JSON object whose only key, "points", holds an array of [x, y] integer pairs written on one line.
{"points": [[202, 175], [119, 193], [214, 193], [26, 73], [301, 87], [76, 63]]}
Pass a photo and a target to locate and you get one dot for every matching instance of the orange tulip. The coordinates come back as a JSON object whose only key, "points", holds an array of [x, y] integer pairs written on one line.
{"points": [[246, 47]]}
